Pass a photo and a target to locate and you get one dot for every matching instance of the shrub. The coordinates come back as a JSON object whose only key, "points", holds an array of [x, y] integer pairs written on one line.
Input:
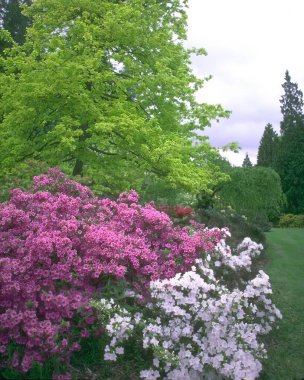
{"points": [[60, 246], [197, 324], [253, 191], [178, 212], [291, 220], [239, 225], [260, 220]]}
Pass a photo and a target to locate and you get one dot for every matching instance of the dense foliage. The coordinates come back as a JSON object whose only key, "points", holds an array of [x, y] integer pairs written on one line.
{"points": [[106, 86], [21, 176], [239, 225]]}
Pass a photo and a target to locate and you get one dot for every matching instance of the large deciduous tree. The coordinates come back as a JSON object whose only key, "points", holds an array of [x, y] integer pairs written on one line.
{"points": [[106, 87], [268, 148]]}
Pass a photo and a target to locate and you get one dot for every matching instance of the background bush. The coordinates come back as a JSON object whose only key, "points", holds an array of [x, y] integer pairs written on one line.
{"points": [[255, 192], [291, 220], [238, 225]]}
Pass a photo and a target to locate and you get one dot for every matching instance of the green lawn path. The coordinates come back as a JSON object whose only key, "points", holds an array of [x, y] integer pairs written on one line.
{"points": [[285, 266]]}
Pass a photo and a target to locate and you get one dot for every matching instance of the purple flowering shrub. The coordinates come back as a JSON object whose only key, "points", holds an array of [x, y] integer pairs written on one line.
{"points": [[59, 245]]}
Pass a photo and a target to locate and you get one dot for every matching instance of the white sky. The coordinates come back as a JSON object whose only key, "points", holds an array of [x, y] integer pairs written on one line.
{"points": [[250, 45]]}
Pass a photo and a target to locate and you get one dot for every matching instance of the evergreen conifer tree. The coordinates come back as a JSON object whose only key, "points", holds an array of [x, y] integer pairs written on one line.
{"points": [[291, 103], [268, 148], [13, 20], [290, 162], [247, 163]]}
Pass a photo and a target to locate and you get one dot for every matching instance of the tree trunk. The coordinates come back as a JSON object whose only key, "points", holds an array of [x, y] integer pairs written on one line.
{"points": [[78, 168]]}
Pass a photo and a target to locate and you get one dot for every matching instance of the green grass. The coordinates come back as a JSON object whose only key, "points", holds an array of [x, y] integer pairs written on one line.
{"points": [[285, 266]]}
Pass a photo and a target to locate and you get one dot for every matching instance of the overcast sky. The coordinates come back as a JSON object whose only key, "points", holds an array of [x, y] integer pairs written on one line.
{"points": [[250, 45]]}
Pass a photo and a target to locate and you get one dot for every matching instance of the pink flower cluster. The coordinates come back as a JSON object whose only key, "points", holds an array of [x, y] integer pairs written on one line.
{"points": [[59, 245]]}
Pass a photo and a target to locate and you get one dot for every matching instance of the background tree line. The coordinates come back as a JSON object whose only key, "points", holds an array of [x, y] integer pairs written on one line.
{"points": [[284, 152]]}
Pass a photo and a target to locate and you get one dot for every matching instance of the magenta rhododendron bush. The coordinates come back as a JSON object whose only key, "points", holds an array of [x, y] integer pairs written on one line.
{"points": [[59, 245]]}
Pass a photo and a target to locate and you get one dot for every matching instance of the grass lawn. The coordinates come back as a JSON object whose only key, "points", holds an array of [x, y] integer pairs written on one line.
{"points": [[285, 266]]}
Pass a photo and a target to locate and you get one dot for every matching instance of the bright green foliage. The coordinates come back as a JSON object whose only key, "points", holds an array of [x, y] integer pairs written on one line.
{"points": [[106, 87], [207, 199], [253, 192], [20, 177], [268, 148], [161, 193], [247, 163]]}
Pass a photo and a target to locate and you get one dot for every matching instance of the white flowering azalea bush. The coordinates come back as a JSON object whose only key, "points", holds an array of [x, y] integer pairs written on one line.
{"points": [[206, 323]]}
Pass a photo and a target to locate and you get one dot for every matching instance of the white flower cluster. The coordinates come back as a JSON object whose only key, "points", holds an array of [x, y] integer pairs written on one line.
{"points": [[204, 324], [201, 329], [243, 259], [119, 328]]}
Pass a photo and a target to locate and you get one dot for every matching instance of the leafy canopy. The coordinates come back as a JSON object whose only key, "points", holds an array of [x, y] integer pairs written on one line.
{"points": [[106, 87]]}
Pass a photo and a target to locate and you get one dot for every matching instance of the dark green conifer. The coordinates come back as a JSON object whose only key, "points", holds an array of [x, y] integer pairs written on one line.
{"points": [[291, 103], [268, 148], [247, 163], [13, 20]]}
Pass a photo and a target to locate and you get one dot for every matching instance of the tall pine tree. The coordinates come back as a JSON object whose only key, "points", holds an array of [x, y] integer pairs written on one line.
{"points": [[290, 162], [247, 163], [291, 104], [268, 148]]}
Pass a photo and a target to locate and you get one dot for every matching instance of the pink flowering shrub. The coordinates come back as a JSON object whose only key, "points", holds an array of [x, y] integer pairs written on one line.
{"points": [[59, 246]]}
